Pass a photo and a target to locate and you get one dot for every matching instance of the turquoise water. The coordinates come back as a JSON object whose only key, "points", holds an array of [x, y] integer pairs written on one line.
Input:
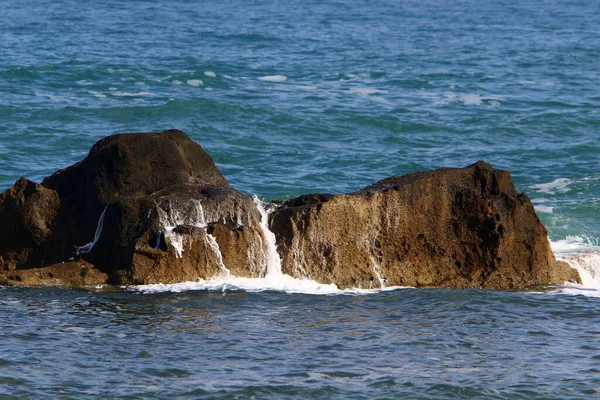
{"points": [[299, 97]]}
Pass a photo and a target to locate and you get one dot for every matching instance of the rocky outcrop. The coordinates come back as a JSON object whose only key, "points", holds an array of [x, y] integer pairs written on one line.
{"points": [[460, 228], [132, 208], [120, 167], [153, 208]]}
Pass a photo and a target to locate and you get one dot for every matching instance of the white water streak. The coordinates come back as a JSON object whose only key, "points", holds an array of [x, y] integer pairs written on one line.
{"points": [[190, 213], [377, 271], [86, 248], [273, 267], [212, 242]]}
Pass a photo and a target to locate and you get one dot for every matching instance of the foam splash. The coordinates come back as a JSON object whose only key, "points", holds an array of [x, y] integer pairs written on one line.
{"points": [[583, 254], [560, 185], [195, 82], [284, 283]]}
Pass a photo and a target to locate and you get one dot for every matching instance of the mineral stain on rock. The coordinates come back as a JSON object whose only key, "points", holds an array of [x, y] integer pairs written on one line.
{"points": [[153, 208]]}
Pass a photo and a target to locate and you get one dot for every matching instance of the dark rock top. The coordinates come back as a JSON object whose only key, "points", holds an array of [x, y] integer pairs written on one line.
{"points": [[66, 207], [135, 164]]}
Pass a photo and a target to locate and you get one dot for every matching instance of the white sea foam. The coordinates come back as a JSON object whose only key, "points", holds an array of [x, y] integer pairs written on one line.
{"points": [[97, 94], [560, 185], [84, 82], [273, 78], [583, 254], [210, 74], [86, 248], [132, 94], [194, 82], [305, 87], [544, 209], [494, 103], [283, 283]]}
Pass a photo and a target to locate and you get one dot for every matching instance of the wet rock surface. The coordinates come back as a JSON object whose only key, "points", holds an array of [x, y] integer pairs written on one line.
{"points": [[153, 208], [141, 208], [452, 227]]}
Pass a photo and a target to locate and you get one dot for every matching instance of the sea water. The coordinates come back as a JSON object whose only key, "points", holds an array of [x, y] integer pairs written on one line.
{"points": [[302, 97]]}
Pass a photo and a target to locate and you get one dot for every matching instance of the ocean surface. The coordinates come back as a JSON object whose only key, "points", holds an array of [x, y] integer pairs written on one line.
{"points": [[297, 97]]}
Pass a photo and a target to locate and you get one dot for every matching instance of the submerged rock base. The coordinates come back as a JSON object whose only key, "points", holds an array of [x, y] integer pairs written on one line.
{"points": [[153, 208]]}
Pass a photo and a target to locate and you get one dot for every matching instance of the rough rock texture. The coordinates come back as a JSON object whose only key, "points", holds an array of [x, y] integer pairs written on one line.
{"points": [[120, 167], [75, 274], [27, 217], [141, 208], [181, 233], [153, 208], [461, 228]]}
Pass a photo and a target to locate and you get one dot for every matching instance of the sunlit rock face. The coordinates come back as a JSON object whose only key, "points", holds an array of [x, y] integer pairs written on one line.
{"points": [[452, 227], [149, 208]]}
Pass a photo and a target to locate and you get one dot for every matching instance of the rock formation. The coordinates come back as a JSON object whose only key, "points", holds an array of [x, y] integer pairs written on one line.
{"points": [[452, 227], [140, 208], [153, 208]]}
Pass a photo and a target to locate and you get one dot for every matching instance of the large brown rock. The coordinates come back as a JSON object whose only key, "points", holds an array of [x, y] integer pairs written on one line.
{"points": [[461, 228], [140, 208], [123, 166]]}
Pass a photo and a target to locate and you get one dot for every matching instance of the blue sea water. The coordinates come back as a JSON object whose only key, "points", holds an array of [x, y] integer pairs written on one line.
{"points": [[299, 97]]}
